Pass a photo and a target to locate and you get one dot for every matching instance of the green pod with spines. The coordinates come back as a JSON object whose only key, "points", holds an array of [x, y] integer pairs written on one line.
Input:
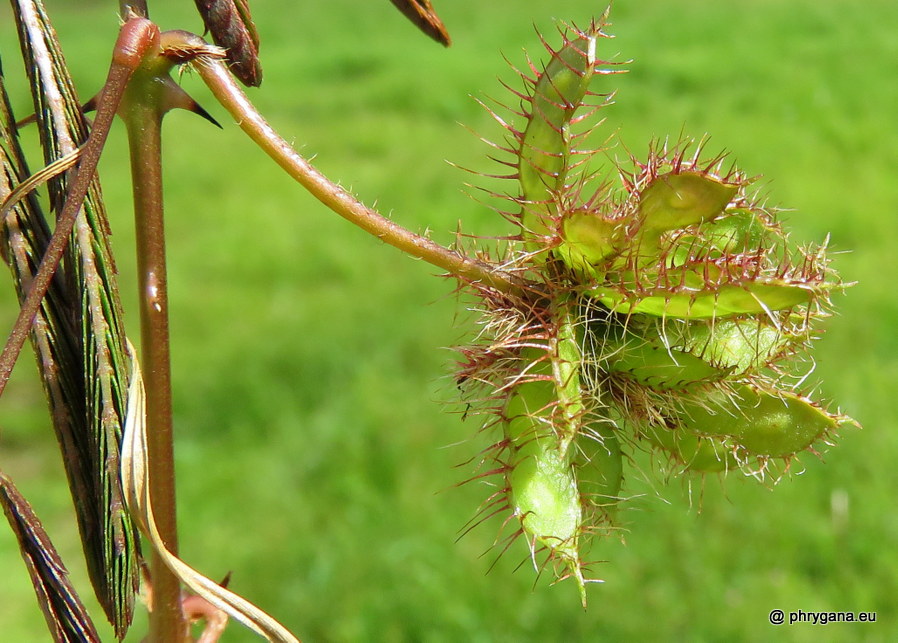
{"points": [[739, 230], [658, 367], [544, 153], [641, 354], [741, 345], [542, 487], [544, 415], [698, 453], [667, 204], [763, 422], [695, 258], [565, 359], [677, 200], [589, 240], [752, 296], [672, 201], [598, 462]]}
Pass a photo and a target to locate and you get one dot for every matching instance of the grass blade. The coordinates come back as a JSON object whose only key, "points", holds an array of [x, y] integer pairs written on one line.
{"points": [[79, 337], [231, 26], [66, 616]]}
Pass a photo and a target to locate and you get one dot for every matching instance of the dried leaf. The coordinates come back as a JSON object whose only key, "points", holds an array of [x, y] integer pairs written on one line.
{"points": [[78, 336], [135, 480], [65, 614], [39, 178]]}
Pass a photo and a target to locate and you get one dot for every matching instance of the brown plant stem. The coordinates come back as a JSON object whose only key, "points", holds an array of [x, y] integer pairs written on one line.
{"points": [[143, 107], [216, 76], [144, 136], [126, 56]]}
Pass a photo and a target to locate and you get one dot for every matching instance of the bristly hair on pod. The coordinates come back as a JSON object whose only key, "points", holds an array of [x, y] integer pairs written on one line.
{"points": [[667, 313], [558, 110], [525, 374]]}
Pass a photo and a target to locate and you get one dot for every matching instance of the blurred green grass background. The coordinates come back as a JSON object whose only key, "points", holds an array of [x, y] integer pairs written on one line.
{"points": [[311, 378]]}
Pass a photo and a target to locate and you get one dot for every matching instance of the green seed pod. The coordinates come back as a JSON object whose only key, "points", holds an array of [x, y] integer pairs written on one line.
{"points": [[738, 231], [543, 417], [589, 240], [764, 423], [600, 469], [729, 300], [545, 143], [673, 201], [741, 345], [703, 454], [542, 489], [565, 360], [660, 368]]}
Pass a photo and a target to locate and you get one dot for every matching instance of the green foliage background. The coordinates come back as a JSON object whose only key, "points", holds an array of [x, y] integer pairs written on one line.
{"points": [[309, 364]]}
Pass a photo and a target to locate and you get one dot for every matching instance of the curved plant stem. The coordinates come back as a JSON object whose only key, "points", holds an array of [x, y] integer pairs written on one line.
{"points": [[229, 94]]}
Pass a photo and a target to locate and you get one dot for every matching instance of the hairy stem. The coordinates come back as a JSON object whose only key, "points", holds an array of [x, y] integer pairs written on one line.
{"points": [[222, 84]]}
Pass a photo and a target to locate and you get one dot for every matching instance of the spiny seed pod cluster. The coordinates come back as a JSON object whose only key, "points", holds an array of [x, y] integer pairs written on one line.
{"points": [[669, 313]]}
